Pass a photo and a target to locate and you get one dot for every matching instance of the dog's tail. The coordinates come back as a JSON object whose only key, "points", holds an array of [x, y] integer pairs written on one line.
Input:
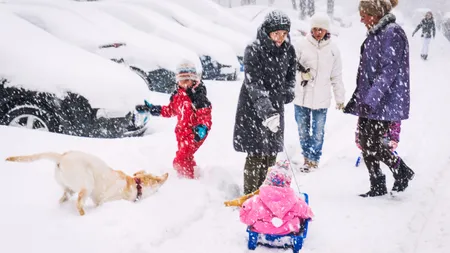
{"points": [[31, 158]]}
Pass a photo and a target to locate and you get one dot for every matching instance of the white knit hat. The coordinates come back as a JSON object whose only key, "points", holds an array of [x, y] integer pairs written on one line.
{"points": [[320, 20]]}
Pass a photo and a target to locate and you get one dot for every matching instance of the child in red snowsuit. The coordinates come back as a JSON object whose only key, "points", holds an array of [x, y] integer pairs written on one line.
{"points": [[193, 110]]}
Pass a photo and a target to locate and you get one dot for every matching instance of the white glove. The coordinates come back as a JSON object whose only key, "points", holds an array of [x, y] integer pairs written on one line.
{"points": [[273, 123], [306, 76]]}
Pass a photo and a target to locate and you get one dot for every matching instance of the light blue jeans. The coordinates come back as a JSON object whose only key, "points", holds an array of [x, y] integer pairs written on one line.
{"points": [[311, 129]]}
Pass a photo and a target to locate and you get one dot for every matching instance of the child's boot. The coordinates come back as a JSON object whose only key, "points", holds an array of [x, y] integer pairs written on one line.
{"points": [[402, 176], [377, 187]]}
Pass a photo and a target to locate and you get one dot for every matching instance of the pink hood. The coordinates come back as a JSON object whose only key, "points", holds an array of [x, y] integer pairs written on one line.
{"points": [[279, 200], [275, 203]]}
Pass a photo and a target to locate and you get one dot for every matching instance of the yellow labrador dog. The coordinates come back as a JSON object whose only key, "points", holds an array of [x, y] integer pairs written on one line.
{"points": [[89, 176]]}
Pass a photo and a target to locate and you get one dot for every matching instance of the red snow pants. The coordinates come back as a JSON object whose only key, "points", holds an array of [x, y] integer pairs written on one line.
{"points": [[184, 162]]}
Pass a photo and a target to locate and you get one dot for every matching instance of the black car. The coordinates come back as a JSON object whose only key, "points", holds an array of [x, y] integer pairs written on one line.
{"points": [[71, 115], [213, 70], [160, 80]]}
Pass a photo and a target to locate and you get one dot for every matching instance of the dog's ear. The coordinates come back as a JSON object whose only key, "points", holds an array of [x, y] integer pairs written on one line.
{"points": [[141, 172]]}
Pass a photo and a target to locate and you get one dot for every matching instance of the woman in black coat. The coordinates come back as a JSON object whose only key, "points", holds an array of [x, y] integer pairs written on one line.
{"points": [[269, 82]]}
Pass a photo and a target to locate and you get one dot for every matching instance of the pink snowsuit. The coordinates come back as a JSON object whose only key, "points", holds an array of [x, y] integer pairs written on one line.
{"points": [[275, 202]]}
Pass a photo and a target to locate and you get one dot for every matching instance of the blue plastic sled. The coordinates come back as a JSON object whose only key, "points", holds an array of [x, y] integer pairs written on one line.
{"points": [[294, 241]]}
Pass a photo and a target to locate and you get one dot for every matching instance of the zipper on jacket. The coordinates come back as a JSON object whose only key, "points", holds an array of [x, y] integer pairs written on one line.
{"points": [[317, 72]]}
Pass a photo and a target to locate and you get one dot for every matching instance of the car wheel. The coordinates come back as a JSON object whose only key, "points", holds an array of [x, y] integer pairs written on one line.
{"points": [[30, 117]]}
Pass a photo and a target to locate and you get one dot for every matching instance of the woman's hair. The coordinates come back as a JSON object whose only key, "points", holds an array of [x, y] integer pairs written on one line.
{"points": [[377, 8]]}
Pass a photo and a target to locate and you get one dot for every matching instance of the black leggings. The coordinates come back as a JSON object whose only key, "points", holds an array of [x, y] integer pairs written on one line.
{"points": [[371, 134]]}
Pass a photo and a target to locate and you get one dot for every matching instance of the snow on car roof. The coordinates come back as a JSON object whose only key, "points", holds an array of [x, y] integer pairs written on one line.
{"points": [[35, 60], [145, 19], [83, 33], [167, 53], [238, 41], [217, 14]]}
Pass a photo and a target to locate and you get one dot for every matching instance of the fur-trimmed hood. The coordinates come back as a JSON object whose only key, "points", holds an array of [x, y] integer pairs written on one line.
{"points": [[384, 21]]}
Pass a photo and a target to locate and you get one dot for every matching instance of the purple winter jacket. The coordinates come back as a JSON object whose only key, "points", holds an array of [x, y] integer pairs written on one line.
{"points": [[382, 90]]}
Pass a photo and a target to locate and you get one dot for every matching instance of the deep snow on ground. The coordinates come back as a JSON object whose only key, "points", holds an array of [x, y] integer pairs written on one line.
{"points": [[188, 216]]}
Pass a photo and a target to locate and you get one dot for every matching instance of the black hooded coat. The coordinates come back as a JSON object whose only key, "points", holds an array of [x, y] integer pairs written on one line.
{"points": [[268, 85]]}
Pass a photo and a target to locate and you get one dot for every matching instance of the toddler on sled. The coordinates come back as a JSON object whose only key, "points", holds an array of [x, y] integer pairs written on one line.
{"points": [[276, 209]]}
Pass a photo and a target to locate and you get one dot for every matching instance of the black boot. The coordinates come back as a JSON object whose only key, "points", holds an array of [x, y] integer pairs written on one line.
{"points": [[377, 187], [402, 176]]}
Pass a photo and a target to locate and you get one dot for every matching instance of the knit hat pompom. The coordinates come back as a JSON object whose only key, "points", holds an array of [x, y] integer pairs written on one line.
{"points": [[377, 8], [278, 175]]}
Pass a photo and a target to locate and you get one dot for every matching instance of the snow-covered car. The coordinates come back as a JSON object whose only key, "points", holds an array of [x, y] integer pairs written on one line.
{"points": [[168, 54], [187, 18], [218, 15], [217, 58], [74, 29], [256, 13], [51, 85]]}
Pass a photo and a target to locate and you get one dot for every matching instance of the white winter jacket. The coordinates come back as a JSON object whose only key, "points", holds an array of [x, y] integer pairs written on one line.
{"points": [[324, 61]]}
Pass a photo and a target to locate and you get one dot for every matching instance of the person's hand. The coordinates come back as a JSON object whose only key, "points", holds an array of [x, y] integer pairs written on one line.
{"points": [[145, 108], [393, 145], [200, 132], [306, 76], [340, 106], [154, 110], [273, 123], [359, 146]]}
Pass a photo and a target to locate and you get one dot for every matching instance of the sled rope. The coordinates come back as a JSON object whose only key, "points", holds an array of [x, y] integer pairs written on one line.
{"points": [[293, 173]]}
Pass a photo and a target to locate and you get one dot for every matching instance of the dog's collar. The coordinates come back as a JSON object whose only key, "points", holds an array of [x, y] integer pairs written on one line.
{"points": [[139, 189]]}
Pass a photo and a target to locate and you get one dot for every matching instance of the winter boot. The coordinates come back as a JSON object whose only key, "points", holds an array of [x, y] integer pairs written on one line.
{"points": [[402, 176], [377, 187], [425, 56], [305, 167], [314, 164]]}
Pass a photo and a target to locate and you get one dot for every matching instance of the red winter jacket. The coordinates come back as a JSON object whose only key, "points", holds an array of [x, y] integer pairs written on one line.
{"points": [[191, 107]]}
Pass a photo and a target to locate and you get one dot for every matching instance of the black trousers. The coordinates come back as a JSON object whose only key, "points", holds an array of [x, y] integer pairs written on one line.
{"points": [[255, 171], [371, 134]]}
